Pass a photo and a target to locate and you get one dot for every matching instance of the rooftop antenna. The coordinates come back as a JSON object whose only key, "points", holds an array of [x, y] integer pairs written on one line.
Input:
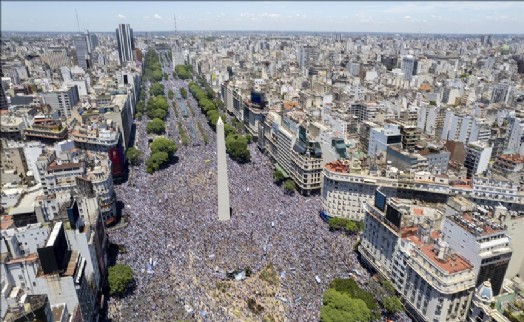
{"points": [[174, 19], [77, 23]]}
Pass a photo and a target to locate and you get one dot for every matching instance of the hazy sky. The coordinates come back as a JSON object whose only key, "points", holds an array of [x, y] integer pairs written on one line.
{"points": [[425, 17]]}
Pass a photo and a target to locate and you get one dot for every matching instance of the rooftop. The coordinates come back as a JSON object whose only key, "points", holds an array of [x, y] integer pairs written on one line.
{"points": [[478, 222], [65, 165], [451, 264]]}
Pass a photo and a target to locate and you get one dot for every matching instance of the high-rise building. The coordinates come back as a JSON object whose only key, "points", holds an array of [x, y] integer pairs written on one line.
{"points": [[474, 232], [409, 66], [382, 137], [82, 44], [477, 159], [3, 97], [401, 242], [63, 100], [94, 41], [57, 57], [515, 139], [307, 54], [126, 42]]}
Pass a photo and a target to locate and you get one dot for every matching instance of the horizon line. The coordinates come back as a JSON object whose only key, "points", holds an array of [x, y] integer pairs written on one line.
{"points": [[281, 31]]}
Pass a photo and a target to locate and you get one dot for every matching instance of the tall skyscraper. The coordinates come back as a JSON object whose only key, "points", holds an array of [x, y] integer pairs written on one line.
{"points": [[126, 42], [3, 97], [82, 44], [408, 66], [223, 183]]}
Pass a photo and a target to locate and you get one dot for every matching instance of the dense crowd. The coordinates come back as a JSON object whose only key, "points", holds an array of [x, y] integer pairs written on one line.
{"points": [[174, 222]]}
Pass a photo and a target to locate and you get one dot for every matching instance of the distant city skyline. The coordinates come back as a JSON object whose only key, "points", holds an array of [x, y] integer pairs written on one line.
{"points": [[403, 17]]}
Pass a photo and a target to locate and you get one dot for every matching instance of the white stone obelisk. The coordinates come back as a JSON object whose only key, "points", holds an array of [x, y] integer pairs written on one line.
{"points": [[223, 183]]}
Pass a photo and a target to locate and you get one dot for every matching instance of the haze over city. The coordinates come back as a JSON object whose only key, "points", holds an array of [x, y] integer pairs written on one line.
{"points": [[352, 16]]}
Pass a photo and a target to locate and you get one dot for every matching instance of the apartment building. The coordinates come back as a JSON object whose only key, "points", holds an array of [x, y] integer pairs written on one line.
{"points": [[477, 158], [475, 233], [98, 136], [400, 241], [380, 138], [347, 184], [45, 130], [63, 101], [300, 158]]}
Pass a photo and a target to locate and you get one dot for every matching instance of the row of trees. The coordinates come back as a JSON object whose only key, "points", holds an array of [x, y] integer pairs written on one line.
{"points": [[236, 144], [183, 93], [346, 225], [162, 153], [157, 107], [183, 71], [183, 134], [279, 178], [153, 69], [156, 126]]}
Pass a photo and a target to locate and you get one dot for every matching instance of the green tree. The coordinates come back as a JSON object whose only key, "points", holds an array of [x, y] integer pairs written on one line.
{"points": [[156, 126], [182, 72], [339, 307], [351, 227], [236, 146], [119, 277], [156, 89], [350, 287], [158, 114], [140, 107], [347, 225], [289, 186], [278, 176], [158, 102], [387, 286], [138, 116], [170, 94], [228, 130], [183, 92], [133, 155], [156, 160], [161, 144], [393, 305], [157, 75]]}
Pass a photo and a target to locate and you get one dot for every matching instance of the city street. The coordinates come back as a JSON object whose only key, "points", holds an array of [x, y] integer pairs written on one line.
{"points": [[173, 220]]}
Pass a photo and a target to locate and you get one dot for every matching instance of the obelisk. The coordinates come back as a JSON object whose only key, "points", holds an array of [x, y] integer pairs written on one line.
{"points": [[223, 183]]}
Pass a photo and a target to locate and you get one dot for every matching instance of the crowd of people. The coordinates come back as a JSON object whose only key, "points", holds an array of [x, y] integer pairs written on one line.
{"points": [[174, 222]]}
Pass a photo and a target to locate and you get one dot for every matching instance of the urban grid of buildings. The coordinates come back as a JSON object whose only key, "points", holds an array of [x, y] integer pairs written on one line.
{"points": [[420, 137]]}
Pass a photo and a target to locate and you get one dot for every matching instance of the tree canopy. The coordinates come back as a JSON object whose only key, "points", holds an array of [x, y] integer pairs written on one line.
{"points": [[289, 186], [182, 72], [344, 224], [164, 145], [339, 307], [392, 304], [157, 89], [278, 176], [156, 126], [156, 160], [119, 277], [133, 155], [350, 287], [236, 146], [183, 93]]}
